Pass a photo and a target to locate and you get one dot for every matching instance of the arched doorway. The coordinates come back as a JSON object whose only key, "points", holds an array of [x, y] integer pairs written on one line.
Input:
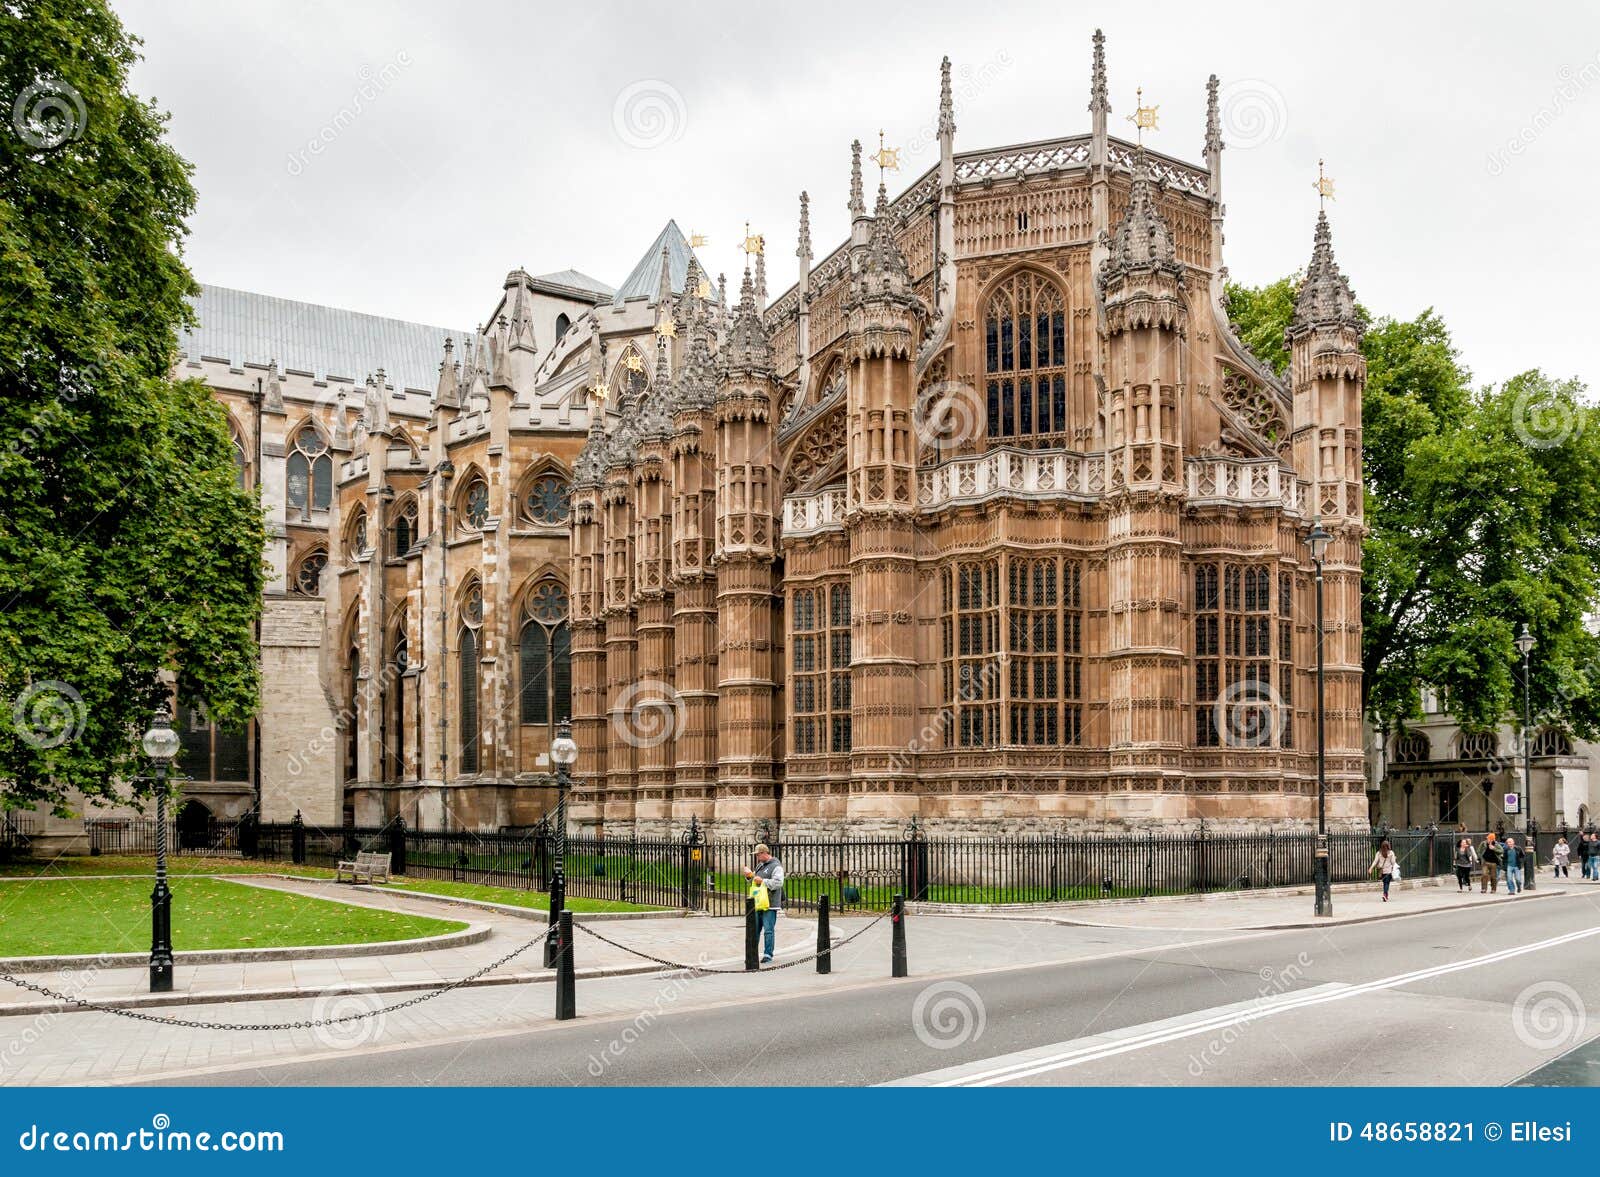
{"points": [[194, 826]]}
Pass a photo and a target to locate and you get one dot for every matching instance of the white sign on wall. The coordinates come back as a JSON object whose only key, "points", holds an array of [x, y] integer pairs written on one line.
{"points": [[1513, 803]]}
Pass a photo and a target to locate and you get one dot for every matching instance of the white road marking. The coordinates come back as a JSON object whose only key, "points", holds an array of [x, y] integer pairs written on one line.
{"points": [[1025, 1064]]}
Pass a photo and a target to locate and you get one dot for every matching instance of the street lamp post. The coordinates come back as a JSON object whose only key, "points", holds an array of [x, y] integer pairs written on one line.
{"points": [[1318, 541], [161, 745], [564, 751], [1525, 648]]}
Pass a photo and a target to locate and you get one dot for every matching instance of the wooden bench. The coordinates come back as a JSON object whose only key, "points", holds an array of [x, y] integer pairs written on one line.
{"points": [[373, 864]]}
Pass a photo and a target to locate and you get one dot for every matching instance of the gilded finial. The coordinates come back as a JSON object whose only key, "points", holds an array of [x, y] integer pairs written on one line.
{"points": [[666, 328], [753, 242], [601, 390], [633, 362], [1324, 187], [1144, 118], [698, 241], [887, 158]]}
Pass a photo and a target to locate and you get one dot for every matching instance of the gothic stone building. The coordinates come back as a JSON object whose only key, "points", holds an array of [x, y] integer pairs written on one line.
{"points": [[989, 520]]}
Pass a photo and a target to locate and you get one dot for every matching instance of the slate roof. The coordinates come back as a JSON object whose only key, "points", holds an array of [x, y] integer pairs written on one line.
{"points": [[645, 280], [576, 280], [242, 327]]}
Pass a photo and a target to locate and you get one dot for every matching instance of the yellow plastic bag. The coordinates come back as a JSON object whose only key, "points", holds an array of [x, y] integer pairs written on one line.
{"points": [[758, 892]]}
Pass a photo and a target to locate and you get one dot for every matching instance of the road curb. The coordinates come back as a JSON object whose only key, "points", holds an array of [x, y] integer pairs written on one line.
{"points": [[471, 934], [1302, 924]]}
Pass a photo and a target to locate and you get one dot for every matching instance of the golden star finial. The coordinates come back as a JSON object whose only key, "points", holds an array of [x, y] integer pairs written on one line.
{"points": [[633, 361], [601, 391], [698, 241], [753, 242], [887, 158], [1324, 187], [666, 328], [1144, 118], [704, 289]]}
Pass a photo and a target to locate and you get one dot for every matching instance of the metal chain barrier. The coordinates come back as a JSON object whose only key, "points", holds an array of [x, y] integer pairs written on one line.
{"points": [[311, 1024], [317, 1023], [698, 968]]}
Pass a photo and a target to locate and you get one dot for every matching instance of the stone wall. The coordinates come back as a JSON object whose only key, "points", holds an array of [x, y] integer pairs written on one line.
{"points": [[299, 726]]}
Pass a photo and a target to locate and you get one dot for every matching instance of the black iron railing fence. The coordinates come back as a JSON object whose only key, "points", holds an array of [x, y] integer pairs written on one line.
{"points": [[693, 871], [15, 835]]}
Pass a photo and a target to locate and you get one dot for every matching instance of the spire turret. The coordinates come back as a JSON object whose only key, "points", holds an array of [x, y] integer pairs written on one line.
{"points": [[947, 106], [1325, 299], [1099, 93], [748, 347], [803, 249], [447, 393], [858, 201], [1143, 239]]}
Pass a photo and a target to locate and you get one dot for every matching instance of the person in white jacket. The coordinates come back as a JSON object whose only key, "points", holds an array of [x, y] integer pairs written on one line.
{"points": [[1386, 864]]}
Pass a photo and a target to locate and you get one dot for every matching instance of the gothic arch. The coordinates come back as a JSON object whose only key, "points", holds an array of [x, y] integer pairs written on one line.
{"points": [[544, 493], [308, 570], [626, 380], [357, 537], [405, 525], [817, 453], [470, 510], [1023, 322]]}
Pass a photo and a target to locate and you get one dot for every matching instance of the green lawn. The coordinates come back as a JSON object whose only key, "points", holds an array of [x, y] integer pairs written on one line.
{"points": [[86, 866], [70, 916], [537, 900]]}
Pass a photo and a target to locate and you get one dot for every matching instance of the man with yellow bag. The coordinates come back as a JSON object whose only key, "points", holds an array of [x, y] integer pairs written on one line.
{"points": [[766, 888]]}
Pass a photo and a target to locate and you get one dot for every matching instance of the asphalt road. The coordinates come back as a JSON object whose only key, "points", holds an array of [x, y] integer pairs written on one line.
{"points": [[1478, 996]]}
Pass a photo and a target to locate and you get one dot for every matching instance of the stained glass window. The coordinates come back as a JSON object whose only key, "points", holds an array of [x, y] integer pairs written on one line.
{"points": [[310, 473], [549, 501], [476, 503], [545, 656], [308, 576], [1025, 349]]}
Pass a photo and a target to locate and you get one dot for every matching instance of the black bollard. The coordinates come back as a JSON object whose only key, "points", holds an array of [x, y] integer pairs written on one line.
{"points": [[752, 936], [566, 973], [897, 951], [824, 948]]}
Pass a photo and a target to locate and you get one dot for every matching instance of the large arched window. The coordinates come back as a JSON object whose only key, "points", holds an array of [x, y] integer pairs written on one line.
{"points": [[1025, 340], [307, 579], [548, 501], [544, 655], [631, 376], [471, 621], [310, 482], [403, 531]]}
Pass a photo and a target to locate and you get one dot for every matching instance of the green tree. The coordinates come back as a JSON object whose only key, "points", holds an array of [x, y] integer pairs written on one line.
{"points": [[1483, 510], [126, 547]]}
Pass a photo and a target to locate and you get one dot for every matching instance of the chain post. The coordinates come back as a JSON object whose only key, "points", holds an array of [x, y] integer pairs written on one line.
{"points": [[897, 944], [824, 949], [752, 933], [566, 973]]}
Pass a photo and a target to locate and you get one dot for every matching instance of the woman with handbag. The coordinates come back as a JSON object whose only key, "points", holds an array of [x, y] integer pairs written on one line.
{"points": [[1466, 859], [1386, 864]]}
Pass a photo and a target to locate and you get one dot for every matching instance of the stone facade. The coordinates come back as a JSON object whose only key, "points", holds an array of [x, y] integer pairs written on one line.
{"points": [[989, 521]]}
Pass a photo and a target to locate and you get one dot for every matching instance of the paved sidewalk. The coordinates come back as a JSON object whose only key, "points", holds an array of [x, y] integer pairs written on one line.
{"points": [[1275, 910]]}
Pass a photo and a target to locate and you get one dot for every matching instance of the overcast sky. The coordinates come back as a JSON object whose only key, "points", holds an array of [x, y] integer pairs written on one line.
{"points": [[453, 143]]}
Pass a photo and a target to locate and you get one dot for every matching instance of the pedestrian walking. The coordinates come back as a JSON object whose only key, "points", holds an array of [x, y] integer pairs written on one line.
{"points": [[770, 872], [1514, 859], [1561, 856], [1490, 857], [1466, 859], [1384, 863], [1586, 854]]}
